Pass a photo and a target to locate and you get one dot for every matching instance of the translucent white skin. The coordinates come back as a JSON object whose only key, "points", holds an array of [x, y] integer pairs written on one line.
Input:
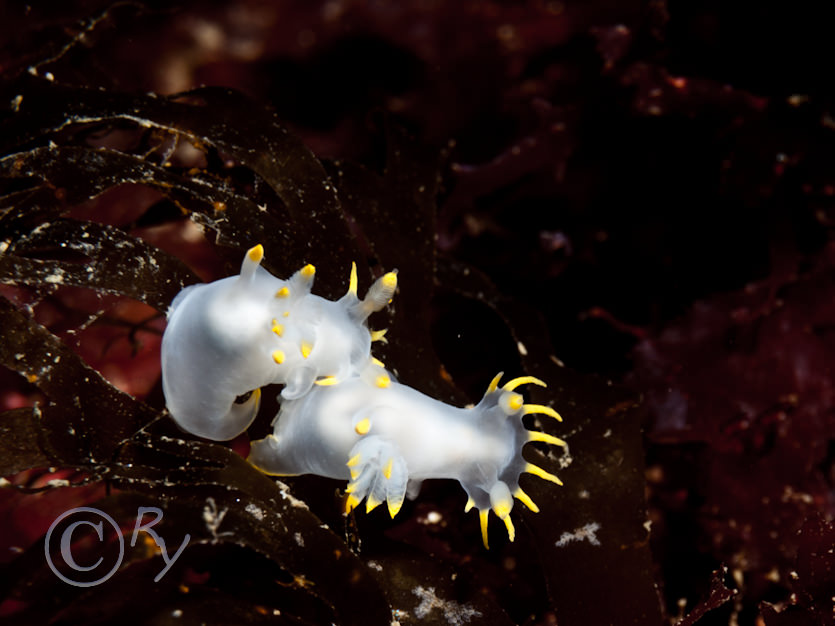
{"points": [[235, 335], [387, 438]]}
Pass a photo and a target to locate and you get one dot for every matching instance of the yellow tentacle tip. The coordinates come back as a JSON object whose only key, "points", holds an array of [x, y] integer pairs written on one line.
{"points": [[278, 356], [526, 500], [351, 502], [494, 384], [327, 381], [354, 460], [379, 335], [530, 468], [282, 293], [394, 507], [308, 271], [482, 518], [352, 280], [390, 280], [387, 469], [523, 380], [371, 503], [363, 426], [306, 348], [541, 408], [535, 435], [382, 381], [470, 504], [255, 253], [511, 531]]}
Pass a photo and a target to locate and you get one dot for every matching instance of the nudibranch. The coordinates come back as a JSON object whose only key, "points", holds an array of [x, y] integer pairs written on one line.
{"points": [[229, 338], [385, 438]]}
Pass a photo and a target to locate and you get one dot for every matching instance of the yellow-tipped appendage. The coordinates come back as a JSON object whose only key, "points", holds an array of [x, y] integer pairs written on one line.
{"points": [[535, 435], [523, 380], [494, 384], [526, 500], [363, 426], [306, 348], [482, 518], [387, 469], [278, 356], [379, 335], [352, 280], [284, 292], [354, 460], [540, 408], [308, 271], [530, 468], [382, 381], [327, 381], [255, 253]]}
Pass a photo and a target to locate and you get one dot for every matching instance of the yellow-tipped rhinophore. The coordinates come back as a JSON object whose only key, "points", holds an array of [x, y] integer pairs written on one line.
{"points": [[278, 356], [541, 408], [308, 271], [363, 426], [354, 460], [255, 253], [327, 381], [379, 335], [352, 280], [494, 384], [523, 380], [482, 518], [306, 348], [282, 293], [526, 500], [387, 468], [511, 531], [530, 468], [535, 435]]}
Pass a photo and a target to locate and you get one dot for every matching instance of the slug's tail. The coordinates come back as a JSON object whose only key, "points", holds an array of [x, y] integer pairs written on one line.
{"points": [[378, 474]]}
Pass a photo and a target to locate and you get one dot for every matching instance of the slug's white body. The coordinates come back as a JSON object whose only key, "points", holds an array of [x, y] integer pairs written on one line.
{"points": [[342, 415], [235, 335]]}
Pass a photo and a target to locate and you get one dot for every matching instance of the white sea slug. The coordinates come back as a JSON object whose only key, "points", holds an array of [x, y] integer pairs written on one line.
{"points": [[385, 438], [231, 337]]}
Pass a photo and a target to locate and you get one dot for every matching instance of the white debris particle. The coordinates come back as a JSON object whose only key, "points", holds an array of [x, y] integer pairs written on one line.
{"points": [[286, 495], [58, 482], [299, 539], [214, 518], [522, 349], [433, 517], [375, 566], [587, 532], [4, 482], [255, 511], [4, 245], [454, 613], [177, 613], [55, 279]]}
